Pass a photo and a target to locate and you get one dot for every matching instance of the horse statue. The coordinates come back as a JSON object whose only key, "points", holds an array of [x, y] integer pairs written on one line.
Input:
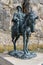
{"points": [[23, 25]]}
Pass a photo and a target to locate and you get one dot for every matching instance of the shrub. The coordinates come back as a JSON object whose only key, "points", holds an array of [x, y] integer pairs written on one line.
{"points": [[31, 47], [1, 48]]}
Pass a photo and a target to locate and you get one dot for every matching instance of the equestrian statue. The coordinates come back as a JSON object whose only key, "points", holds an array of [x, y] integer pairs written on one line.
{"points": [[23, 25]]}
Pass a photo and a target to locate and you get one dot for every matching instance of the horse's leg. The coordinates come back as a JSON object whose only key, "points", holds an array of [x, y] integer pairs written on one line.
{"points": [[27, 43], [13, 37], [27, 39], [14, 42], [14, 45], [24, 42]]}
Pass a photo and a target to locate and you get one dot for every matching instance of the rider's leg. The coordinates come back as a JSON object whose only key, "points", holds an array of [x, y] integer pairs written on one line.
{"points": [[18, 27], [27, 43], [28, 35]]}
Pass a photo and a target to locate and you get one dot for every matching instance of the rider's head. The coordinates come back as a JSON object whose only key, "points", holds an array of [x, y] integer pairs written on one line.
{"points": [[19, 8]]}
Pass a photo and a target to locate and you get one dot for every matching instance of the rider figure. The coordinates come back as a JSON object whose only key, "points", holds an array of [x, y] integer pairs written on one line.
{"points": [[18, 18]]}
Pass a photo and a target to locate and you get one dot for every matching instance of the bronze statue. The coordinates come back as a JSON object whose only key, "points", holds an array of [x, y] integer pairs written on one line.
{"points": [[20, 29], [23, 25]]}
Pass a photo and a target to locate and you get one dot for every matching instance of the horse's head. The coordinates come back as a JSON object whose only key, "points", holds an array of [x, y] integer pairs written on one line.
{"points": [[33, 18]]}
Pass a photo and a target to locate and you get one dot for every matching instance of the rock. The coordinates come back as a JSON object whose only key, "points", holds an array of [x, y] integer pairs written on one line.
{"points": [[41, 1], [34, 1], [8, 7], [5, 39], [41, 12], [4, 1], [4, 17]]}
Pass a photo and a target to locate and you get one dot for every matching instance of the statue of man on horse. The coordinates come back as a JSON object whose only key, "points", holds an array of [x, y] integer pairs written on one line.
{"points": [[20, 28], [23, 25]]}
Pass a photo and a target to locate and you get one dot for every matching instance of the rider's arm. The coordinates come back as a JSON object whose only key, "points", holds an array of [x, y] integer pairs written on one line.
{"points": [[15, 18]]}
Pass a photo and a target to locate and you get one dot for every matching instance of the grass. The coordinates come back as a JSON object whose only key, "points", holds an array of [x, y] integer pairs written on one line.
{"points": [[19, 47], [1, 48], [5, 48], [31, 47], [36, 47], [41, 46], [9, 47]]}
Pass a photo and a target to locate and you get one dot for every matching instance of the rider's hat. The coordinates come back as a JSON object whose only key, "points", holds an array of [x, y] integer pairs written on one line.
{"points": [[19, 6]]}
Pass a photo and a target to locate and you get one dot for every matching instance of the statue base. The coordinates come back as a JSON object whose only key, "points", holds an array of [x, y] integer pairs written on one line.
{"points": [[21, 55]]}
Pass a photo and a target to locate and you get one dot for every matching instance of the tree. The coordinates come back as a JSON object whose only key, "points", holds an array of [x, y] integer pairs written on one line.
{"points": [[26, 6]]}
